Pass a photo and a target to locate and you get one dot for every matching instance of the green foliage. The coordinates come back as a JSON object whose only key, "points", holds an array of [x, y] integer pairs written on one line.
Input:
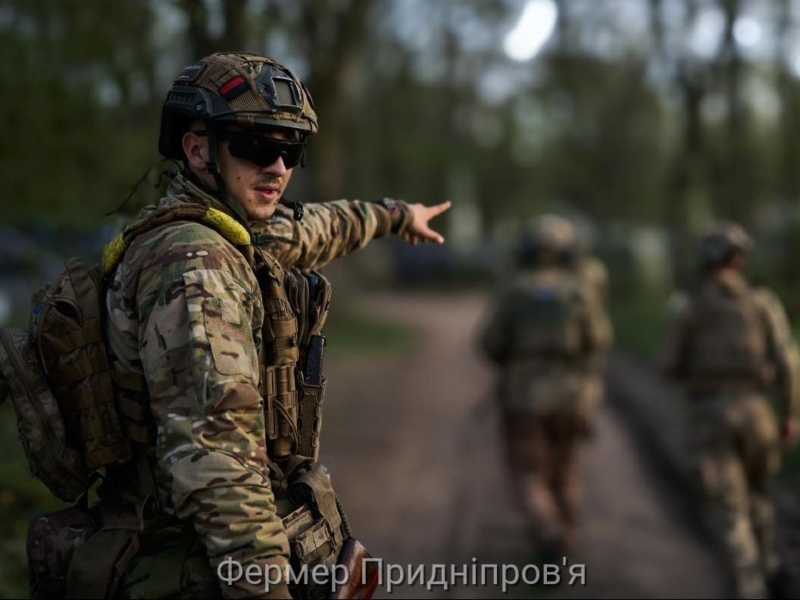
{"points": [[21, 498], [79, 123], [639, 323]]}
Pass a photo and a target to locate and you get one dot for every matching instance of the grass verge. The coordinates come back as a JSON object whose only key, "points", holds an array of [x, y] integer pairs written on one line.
{"points": [[352, 332]]}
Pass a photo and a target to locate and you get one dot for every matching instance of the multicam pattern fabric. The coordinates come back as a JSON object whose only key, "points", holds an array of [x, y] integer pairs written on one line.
{"points": [[328, 231], [541, 382], [770, 330], [52, 540], [186, 311], [548, 332], [735, 438]]}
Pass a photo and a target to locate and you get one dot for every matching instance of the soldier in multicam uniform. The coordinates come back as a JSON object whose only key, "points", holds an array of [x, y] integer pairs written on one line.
{"points": [[202, 332], [729, 342], [548, 332]]}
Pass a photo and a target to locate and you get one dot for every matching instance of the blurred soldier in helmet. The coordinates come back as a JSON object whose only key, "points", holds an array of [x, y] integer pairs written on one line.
{"points": [[214, 328], [548, 332], [730, 342]]}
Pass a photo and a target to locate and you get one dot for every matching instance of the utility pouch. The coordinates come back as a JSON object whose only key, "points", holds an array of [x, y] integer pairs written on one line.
{"points": [[98, 565], [313, 526], [310, 418], [51, 544]]}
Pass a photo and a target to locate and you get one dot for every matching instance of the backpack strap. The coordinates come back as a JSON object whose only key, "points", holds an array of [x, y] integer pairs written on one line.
{"points": [[222, 223]]}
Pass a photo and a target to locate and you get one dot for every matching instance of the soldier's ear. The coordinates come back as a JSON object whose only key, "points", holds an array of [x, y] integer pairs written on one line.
{"points": [[195, 147]]}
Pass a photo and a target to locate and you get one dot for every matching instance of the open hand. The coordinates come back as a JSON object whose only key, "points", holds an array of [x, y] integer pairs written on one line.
{"points": [[419, 232]]}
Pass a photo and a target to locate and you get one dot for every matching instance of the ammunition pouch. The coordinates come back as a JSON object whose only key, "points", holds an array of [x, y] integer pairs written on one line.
{"points": [[314, 526], [279, 390], [310, 418]]}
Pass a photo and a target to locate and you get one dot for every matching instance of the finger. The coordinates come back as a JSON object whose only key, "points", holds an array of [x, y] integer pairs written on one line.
{"points": [[434, 237], [430, 235], [435, 211]]}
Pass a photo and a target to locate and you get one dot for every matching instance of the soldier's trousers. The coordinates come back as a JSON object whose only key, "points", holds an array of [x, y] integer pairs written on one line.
{"points": [[542, 459], [736, 446]]}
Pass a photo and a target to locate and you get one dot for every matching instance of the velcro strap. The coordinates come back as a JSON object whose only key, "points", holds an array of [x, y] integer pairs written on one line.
{"points": [[284, 327], [278, 384], [80, 369], [93, 427], [102, 456], [131, 409], [271, 418], [136, 431], [129, 381], [89, 334], [85, 287]]}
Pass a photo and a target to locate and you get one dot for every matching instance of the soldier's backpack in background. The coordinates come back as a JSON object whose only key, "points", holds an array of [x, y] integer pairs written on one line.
{"points": [[546, 311], [730, 341]]}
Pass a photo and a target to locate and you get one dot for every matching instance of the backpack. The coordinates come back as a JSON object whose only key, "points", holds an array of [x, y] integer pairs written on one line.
{"points": [[546, 310], [57, 376], [57, 373], [728, 339]]}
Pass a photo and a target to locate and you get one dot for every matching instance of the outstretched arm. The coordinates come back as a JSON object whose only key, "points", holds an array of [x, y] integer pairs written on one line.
{"points": [[331, 230]]}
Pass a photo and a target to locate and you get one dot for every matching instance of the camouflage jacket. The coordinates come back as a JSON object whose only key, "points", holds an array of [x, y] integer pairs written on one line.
{"points": [[541, 381], [186, 312], [683, 358]]}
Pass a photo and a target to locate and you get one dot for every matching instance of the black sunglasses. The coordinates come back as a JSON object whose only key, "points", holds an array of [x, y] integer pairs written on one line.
{"points": [[260, 150]]}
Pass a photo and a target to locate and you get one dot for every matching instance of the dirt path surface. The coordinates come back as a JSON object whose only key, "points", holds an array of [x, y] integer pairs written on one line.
{"points": [[414, 451]]}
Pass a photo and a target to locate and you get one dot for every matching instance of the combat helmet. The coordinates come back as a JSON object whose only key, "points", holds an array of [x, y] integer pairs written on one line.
{"points": [[721, 242], [547, 239], [228, 88]]}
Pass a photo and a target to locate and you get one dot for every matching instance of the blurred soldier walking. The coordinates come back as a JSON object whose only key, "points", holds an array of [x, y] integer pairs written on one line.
{"points": [[728, 342], [548, 333]]}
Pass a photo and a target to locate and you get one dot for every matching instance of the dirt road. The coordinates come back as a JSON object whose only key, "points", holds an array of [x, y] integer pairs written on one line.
{"points": [[414, 451]]}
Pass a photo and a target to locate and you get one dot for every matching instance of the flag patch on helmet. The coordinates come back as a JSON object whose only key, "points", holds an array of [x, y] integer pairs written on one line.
{"points": [[233, 88]]}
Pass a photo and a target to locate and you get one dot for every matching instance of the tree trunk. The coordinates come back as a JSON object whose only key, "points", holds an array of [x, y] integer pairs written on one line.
{"points": [[332, 53], [199, 38]]}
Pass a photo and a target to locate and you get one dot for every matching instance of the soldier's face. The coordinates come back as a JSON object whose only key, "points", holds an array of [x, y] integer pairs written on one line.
{"points": [[254, 173], [258, 188]]}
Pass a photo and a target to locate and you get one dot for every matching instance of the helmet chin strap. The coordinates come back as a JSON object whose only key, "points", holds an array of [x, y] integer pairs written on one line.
{"points": [[222, 191]]}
